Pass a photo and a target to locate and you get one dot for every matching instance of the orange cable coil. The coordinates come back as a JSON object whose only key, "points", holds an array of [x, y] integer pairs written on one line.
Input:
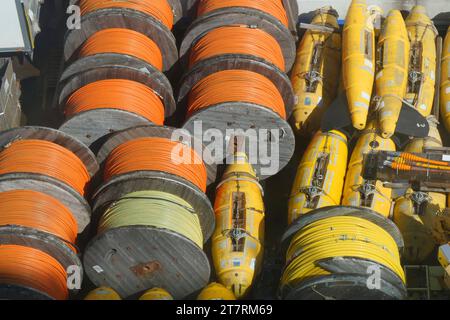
{"points": [[235, 86], [47, 158], [32, 268], [123, 41], [159, 9], [238, 40], [413, 157], [155, 154], [274, 8], [126, 95], [39, 211]]}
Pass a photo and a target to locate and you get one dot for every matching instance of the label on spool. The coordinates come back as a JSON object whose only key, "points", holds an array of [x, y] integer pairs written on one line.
{"points": [[98, 269]]}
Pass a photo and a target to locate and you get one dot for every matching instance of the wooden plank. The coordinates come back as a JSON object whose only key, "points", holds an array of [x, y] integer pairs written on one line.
{"points": [[241, 16], [123, 18], [133, 259]]}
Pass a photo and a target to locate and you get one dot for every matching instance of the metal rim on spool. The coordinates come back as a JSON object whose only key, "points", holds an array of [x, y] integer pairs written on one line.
{"points": [[241, 16], [45, 242], [55, 136], [122, 185], [240, 62], [102, 19], [106, 66], [333, 211], [135, 258], [175, 4], [342, 286], [156, 131], [69, 197], [248, 116]]}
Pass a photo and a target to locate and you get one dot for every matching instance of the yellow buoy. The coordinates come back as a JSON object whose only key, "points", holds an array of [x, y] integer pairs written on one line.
{"points": [[445, 82], [358, 48], [103, 293], [156, 294], [216, 291], [238, 240], [422, 65], [320, 175], [315, 71], [366, 193], [415, 213], [392, 76]]}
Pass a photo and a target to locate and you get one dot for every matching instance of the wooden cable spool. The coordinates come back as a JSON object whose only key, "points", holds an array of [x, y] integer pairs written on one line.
{"points": [[58, 189], [241, 115], [111, 257], [345, 270]]}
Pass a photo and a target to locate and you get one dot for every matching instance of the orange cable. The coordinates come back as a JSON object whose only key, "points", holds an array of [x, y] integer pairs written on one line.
{"points": [[235, 86], [238, 40], [123, 41], [159, 9], [156, 154], [39, 211], [274, 8], [413, 157], [47, 158], [126, 95], [32, 268]]}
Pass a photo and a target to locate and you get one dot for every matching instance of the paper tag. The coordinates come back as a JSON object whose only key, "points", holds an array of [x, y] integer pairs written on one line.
{"points": [[447, 90], [446, 157], [98, 269]]}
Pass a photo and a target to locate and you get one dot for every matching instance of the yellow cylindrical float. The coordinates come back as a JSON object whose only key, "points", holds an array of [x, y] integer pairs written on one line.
{"points": [[216, 291], [445, 82], [343, 253], [237, 243], [361, 192], [156, 294], [315, 71], [320, 174], [422, 66], [103, 293]]}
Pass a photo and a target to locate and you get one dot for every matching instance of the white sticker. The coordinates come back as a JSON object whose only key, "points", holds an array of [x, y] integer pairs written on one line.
{"points": [[423, 107], [432, 75], [98, 269], [447, 90], [365, 95], [446, 157]]}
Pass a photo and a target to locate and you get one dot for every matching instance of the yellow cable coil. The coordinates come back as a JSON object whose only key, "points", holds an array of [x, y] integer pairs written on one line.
{"points": [[334, 237], [157, 209]]}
